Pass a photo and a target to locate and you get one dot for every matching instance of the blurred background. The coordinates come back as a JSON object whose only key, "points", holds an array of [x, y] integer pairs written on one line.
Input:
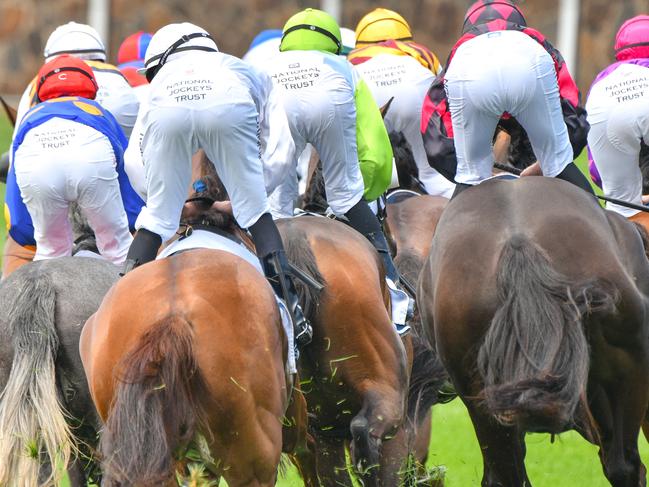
{"points": [[587, 26]]}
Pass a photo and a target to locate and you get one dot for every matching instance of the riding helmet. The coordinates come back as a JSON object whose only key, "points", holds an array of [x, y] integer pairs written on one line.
{"points": [[484, 11], [632, 40], [80, 40], [311, 29], [381, 25], [66, 75]]}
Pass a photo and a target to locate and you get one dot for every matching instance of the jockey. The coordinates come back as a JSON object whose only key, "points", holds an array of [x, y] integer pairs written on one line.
{"points": [[396, 67], [201, 98], [265, 45], [82, 41], [500, 68], [618, 113], [66, 149], [329, 106], [130, 59]]}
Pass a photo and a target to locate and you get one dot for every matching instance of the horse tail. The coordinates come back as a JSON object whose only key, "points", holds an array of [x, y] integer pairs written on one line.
{"points": [[535, 357], [156, 407], [33, 425]]}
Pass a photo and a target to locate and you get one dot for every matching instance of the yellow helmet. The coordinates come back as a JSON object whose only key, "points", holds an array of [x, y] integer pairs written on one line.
{"points": [[381, 25]]}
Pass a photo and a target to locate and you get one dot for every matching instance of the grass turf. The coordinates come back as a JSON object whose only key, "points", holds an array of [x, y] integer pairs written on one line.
{"points": [[569, 461]]}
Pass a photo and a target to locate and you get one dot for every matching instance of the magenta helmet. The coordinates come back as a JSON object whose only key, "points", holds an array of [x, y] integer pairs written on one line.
{"points": [[632, 40]]}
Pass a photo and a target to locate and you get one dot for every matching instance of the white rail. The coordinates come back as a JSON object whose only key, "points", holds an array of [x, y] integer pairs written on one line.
{"points": [[99, 18], [568, 32]]}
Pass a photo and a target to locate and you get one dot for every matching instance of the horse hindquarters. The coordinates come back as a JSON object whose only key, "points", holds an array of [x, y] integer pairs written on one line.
{"points": [[155, 407], [31, 418], [534, 359]]}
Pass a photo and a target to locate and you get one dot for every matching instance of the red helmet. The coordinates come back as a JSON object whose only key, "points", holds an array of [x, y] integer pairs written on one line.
{"points": [[484, 11], [632, 40], [66, 75]]}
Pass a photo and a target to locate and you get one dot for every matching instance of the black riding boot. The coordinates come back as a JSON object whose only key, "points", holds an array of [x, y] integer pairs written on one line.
{"points": [[572, 174], [278, 273], [364, 221], [143, 249], [277, 270]]}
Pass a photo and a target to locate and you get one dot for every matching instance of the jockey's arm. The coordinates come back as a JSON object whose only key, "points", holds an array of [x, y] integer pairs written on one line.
{"points": [[374, 149]]}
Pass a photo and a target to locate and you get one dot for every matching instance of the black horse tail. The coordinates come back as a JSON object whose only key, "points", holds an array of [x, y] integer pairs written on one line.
{"points": [[535, 359], [156, 408]]}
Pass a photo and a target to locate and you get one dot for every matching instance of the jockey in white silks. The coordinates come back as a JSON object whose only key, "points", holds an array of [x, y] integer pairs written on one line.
{"points": [[66, 149], [618, 113], [82, 41], [201, 98], [395, 67], [329, 106]]}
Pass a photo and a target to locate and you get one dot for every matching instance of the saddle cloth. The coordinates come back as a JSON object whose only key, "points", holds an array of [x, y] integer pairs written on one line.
{"points": [[202, 239]]}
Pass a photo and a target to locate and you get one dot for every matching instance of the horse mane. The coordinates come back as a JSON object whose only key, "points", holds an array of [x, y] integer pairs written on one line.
{"points": [[644, 166], [199, 212], [315, 196], [82, 233], [519, 152]]}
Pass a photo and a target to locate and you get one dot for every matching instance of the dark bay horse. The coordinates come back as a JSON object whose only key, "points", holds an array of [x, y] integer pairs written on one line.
{"points": [[536, 300], [46, 413], [184, 351]]}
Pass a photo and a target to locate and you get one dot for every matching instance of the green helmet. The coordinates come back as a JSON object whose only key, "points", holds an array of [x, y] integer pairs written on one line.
{"points": [[311, 29]]}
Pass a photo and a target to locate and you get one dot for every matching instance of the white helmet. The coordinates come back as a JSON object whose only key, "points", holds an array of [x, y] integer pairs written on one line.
{"points": [[349, 40], [79, 40], [171, 40]]}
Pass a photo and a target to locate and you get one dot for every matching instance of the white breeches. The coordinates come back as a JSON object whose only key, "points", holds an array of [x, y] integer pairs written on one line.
{"points": [[61, 162], [227, 130], [614, 142], [497, 72], [328, 122]]}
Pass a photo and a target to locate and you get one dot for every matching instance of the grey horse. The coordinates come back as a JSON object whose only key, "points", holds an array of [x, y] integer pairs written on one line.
{"points": [[47, 416]]}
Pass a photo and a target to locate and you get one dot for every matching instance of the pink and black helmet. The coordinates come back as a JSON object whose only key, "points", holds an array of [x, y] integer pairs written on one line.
{"points": [[484, 11], [632, 40]]}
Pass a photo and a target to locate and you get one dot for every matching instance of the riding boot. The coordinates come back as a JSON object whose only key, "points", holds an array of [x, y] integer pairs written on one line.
{"points": [[459, 187], [278, 272], [572, 174], [143, 249], [270, 250], [364, 221]]}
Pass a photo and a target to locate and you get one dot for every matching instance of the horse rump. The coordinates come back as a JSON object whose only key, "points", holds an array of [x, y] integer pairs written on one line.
{"points": [[534, 360], [156, 409]]}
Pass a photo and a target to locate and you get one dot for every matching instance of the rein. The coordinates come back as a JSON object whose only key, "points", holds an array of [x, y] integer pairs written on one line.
{"points": [[633, 206]]}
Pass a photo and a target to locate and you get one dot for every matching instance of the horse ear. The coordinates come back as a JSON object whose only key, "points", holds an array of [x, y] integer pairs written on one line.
{"points": [[384, 109], [11, 112]]}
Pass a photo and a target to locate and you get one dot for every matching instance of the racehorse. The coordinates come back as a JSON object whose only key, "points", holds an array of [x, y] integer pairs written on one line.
{"points": [[354, 373], [536, 300], [46, 413], [188, 353]]}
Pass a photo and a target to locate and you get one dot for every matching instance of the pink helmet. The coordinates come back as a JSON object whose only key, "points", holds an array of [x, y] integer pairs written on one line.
{"points": [[632, 40]]}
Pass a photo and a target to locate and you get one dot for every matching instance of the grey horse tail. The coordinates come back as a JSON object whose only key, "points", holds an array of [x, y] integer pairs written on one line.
{"points": [[156, 408], [33, 424], [535, 358]]}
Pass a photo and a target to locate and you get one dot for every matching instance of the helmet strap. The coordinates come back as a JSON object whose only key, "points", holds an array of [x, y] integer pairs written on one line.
{"points": [[628, 46], [175, 47], [59, 70], [314, 28]]}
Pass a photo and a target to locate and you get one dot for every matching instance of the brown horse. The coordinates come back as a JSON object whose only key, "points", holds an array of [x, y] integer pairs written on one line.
{"points": [[536, 300], [188, 351], [355, 372]]}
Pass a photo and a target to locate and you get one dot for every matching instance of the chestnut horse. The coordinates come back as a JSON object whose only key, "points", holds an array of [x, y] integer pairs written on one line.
{"points": [[189, 351], [536, 300]]}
